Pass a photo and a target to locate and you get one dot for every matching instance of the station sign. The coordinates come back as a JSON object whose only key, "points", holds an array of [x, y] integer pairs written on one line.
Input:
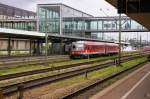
{"points": [[133, 6]]}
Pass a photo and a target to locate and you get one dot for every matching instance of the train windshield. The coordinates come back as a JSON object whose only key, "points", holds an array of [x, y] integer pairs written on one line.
{"points": [[77, 46], [73, 47]]}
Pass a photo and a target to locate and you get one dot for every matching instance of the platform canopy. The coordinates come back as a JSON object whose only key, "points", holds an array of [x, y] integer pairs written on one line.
{"points": [[141, 17], [33, 34]]}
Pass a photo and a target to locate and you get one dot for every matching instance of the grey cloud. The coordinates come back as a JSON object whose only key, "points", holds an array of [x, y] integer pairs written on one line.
{"points": [[89, 6]]}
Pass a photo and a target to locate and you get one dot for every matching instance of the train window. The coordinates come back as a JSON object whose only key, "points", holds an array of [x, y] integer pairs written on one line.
{"points": [[79, 46]]}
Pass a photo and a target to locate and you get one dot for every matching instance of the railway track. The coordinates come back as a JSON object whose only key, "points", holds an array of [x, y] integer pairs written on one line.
{"points": [[27, 73], [27, 57], [5, 60], [40, 81], [31, 61], [35, 60], [89, 90]]}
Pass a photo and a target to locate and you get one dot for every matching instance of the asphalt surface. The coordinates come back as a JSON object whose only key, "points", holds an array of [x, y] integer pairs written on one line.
{"points": [[141, 90], [134, 86]]}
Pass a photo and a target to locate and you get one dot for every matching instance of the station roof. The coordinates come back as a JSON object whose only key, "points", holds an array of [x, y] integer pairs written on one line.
{"points": [[20, 33], [78, 38], [33, 34]]}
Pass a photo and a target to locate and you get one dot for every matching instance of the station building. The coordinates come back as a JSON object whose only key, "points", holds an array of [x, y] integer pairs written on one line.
{"points": [[58, 20]]}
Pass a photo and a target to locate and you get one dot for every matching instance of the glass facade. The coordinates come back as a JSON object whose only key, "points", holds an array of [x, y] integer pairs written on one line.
{"points": [[99, 24], [53, 18], [64, 20], [71, 12], [57, 19], [29, 26], [73, 27]]}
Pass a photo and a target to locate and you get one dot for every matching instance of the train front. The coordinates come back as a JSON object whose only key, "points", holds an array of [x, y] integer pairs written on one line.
{"points": [[77, 49]]}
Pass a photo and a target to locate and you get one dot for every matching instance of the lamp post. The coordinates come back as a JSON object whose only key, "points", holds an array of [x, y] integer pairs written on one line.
{"points": [[120, 29]]}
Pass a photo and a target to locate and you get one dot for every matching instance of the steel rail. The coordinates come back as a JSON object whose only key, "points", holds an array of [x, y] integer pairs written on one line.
{"points": [[32, 62], [41, 81]]}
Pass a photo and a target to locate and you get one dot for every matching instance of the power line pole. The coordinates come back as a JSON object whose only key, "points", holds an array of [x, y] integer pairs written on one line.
{"points": [[119, 55], [121, 9], [140, 42], [46, 36]]}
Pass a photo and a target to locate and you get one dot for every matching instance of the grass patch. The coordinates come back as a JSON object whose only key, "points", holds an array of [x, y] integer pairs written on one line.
{"points": [[18, 69], [115, 69], [11, 70]]}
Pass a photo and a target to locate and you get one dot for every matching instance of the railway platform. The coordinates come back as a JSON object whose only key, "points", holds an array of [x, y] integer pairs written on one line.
{"points": [[134, 86]]}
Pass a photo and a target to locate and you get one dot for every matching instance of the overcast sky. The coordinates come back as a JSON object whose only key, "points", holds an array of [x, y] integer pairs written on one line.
{"points": [[94, 7]]}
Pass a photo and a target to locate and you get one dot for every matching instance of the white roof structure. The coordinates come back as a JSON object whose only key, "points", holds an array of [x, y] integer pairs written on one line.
{"points": [[39, 34], [21, 32]]}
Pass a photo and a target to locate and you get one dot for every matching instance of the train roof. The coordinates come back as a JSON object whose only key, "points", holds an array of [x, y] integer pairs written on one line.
{"points": [[96, 43], [112, 44]]}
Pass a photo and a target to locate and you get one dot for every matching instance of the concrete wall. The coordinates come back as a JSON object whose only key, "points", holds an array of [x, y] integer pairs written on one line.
{"points": [[23, 46], [16, 44], [3, 44]]}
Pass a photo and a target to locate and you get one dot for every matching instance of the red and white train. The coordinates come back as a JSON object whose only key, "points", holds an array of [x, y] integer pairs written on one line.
{"points": [[146, 49], [85, 48]]}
